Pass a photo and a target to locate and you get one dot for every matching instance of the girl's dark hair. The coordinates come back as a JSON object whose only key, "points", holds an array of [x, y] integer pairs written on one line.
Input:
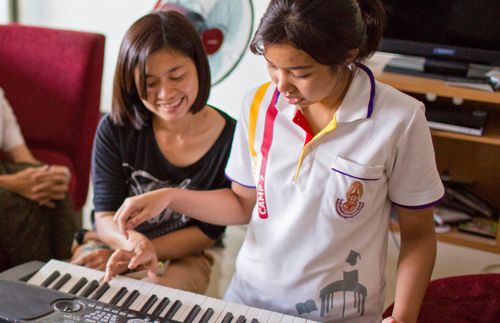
{"points": [[325, 29], [157, 30]]}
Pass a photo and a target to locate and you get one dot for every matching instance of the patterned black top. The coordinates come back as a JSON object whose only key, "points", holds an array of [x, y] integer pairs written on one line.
{"points": [[128, 162]]}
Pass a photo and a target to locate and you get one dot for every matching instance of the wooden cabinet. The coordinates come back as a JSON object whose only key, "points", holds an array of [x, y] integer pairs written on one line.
{"points": [[465, 158]]}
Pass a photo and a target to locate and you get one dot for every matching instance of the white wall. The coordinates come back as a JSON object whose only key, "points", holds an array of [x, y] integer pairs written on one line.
{"points": [[4, 11], [112, 18]]}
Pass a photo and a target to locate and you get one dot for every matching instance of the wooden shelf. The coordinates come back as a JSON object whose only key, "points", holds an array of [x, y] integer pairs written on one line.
{"points": [[491, 135], [463, 239], [476, 162], [422, 85]]}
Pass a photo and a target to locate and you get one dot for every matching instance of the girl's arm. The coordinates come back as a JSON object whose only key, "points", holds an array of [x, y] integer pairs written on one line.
{"points": [[221, 207], [415, 263], [181, 243]]}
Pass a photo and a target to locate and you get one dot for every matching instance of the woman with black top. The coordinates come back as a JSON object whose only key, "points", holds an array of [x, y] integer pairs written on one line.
{"points": [[160, 133]]}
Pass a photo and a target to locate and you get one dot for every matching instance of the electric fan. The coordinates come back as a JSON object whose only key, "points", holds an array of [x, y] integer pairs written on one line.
{"points": [[225, 28]]}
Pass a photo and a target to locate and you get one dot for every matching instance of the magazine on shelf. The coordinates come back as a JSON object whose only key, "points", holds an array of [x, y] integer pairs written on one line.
{"points": [[456, 119], [480, 226], [444, 215]]}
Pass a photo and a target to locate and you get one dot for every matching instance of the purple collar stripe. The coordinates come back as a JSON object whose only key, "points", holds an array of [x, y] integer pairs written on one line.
{"points": [[349, 175], [372, 89]]}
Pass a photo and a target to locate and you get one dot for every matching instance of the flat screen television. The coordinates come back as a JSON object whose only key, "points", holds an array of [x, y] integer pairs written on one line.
{"points": [[446, 37]]}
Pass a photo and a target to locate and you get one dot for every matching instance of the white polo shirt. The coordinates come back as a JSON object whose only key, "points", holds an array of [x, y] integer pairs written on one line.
{"points": [[317, 241]]}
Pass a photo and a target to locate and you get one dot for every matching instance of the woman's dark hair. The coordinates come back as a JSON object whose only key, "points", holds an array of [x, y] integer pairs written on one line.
{"points": [[157, 30], [328, 30]]}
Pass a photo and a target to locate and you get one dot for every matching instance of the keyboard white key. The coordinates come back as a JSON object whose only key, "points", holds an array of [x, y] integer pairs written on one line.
{"points": [[133, 288], [73, 271], [275, 317], [208, 303], [46, 271], [161, 292], [195, 302], [145, 294]]}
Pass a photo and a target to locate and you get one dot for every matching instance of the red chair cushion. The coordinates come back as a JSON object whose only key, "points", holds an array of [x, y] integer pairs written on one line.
{"points": [[461, 299]]}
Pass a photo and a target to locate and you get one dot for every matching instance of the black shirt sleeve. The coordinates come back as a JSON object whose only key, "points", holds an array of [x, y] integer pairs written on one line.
{"points": [[107, 177]]}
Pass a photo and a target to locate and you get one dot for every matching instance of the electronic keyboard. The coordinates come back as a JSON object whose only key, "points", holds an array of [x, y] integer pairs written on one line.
{"points": [[63, 292]]}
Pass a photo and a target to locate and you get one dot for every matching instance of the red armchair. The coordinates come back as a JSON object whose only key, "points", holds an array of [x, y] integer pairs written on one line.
{"points": [[52, 79]]}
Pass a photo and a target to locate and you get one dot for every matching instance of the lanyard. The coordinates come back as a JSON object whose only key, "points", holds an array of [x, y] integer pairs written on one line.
{"points": [[264, 149]]}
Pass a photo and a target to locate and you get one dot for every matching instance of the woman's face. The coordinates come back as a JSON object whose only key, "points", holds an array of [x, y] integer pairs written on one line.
{"points": [[301, 79], [171, 84]]}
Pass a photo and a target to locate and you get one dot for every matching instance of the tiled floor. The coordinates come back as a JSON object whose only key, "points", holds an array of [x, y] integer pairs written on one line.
{"points": [[451, 261]]}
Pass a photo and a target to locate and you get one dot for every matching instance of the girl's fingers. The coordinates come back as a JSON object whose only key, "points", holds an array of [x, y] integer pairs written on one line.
{"points": [[115, 262]]}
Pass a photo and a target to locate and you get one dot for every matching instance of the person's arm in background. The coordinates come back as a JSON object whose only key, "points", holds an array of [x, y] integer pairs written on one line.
{"points": [[44, 184], [21, 154], [415, 263]]}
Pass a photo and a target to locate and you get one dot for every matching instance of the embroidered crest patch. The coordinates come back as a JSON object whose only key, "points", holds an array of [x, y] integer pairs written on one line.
{"points": [[351, 205]]}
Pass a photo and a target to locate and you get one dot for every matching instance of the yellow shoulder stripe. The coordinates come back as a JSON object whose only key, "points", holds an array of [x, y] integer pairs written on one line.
{"points": [[252, 117]]}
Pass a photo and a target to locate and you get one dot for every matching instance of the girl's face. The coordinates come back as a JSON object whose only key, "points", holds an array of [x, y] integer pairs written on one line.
{"points": [[171, 84], [300, 79]]}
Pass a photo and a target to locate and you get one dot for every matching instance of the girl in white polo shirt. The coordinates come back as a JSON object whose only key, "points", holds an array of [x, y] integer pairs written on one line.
{"points": [[319, 158]]}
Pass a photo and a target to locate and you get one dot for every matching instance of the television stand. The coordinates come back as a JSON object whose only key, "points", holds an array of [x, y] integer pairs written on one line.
{"points": [[436, 68]]}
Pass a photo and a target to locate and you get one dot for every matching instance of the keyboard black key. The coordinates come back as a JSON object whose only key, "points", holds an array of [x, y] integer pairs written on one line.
{"points": [[51, 278], [207, 315], [151, 300], [241, 319], [100, 291], [192, 314], [118, 296], [161, 306], [173, 309], [90, 288], [79, 284], [130, 299], [228, 318], [64, 279]]}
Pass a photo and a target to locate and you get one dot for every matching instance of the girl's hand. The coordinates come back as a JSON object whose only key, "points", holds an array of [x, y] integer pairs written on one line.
{"points": [[142, 254], [137, 209]]}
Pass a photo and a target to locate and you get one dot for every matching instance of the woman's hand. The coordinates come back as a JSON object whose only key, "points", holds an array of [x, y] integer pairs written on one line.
{"points": [[24, 183], [142, 254], [96, 259], [139, 208], [52, 184], [43, 184]]}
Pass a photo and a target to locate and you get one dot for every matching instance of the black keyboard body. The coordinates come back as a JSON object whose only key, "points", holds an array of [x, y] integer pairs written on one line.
{"points": [[22, 302]]}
